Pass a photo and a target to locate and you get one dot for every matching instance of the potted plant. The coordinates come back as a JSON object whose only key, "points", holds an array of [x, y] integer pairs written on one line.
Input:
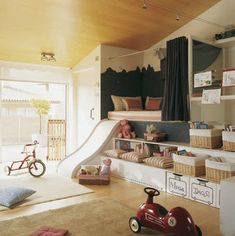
{"points": [[42, 107]]}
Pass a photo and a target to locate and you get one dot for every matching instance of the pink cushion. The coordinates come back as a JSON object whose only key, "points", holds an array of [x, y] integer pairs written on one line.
{"points": [[50, 231], [132, 104], [153, 104]]}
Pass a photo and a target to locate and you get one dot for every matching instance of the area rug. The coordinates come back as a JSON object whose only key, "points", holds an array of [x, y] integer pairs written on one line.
{"points": [[47, 187], [104, 217]]}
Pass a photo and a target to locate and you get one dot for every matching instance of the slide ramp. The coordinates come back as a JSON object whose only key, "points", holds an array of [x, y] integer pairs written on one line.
{"points": [[92, 146]]}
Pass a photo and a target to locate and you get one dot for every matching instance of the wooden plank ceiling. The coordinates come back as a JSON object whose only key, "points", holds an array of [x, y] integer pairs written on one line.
{"points": [[72, 28]]}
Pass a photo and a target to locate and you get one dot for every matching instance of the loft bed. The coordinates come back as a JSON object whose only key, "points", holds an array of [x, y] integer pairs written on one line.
{"points": [[138, 83], [135, 115]]}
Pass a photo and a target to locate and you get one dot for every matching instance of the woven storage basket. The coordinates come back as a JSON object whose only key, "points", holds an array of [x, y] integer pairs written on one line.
{"points": [[193, 166], [206, 138], [228, 141], [216, 171]]}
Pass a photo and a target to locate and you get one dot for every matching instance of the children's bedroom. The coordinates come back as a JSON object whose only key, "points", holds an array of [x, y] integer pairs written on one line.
{"points": [[117, 118]]}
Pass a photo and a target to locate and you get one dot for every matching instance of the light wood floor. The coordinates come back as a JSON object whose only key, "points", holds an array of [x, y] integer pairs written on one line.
{"points": [[132, 195]]}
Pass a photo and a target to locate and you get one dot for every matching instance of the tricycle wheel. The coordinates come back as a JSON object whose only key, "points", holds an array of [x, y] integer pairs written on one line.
{"points": [[7, 170], [199, 232], [134, 224], [37, 168]]}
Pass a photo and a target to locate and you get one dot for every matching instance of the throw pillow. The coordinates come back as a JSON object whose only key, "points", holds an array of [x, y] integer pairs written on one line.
{"points": [[117, 103], [162, 162], [114, 153], [133, 156], [153, 104], [132, 104], [12, 195]]}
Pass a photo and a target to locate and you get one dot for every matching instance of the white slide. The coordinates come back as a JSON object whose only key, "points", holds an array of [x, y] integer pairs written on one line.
{"points": [[92, 146]]}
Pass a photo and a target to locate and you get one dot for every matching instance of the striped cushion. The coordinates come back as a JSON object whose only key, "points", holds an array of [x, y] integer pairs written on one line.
{"points": [[132, 104], [162, 162], [153, 104], [133, 156], [114, 153]]}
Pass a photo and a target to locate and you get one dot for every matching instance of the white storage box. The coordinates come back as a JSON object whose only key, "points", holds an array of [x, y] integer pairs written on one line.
{"points": [[215, 171], [178, 184], [190, 165], [218, 195], [203, 191], [206, 138], [228, 141]]}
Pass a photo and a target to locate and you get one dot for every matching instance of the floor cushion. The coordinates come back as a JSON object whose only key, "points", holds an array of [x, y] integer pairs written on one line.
{"points": [[50, 231], [9, 196]]}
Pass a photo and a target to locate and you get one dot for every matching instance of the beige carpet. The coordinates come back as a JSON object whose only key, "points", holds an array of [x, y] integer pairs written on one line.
{"points": [[99, 218], [47, 187]]}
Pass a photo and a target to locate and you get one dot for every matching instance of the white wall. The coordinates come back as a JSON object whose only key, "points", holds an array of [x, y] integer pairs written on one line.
{"points": [[221, 13], [109, 58]]}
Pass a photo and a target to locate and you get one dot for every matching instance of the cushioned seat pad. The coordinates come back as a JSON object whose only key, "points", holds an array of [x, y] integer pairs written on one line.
{"points": [[50, 231]]}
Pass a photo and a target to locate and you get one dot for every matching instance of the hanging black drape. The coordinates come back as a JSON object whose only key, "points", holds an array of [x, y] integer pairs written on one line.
{"points": [[175, 102]]}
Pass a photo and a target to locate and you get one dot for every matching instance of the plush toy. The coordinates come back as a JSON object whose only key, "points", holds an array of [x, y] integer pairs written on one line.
{"points": [[105, 168], [89, 170], [125, 130]]}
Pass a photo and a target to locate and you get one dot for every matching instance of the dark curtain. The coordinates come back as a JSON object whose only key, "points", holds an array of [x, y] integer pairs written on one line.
{"points": [[175, 102]]}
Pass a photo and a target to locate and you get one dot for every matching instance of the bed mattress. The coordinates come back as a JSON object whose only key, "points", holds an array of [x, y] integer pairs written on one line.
{"points": [[135, 115]]}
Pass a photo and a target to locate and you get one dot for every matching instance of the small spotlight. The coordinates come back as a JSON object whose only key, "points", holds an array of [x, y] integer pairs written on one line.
{"points": [[144, 5]]}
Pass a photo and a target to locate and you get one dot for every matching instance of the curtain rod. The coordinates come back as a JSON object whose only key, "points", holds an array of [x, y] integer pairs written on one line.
{"points": [[134, 53]]}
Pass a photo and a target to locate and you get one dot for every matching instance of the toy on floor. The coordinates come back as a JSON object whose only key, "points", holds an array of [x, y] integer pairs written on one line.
{"points": [[177, 221], [50, 231], [35, 166], [102, 177], [125, 130]]}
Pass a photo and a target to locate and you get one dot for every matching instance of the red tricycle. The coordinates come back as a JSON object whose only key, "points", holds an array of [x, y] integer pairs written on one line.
{"points": [[35, 166], [177, 221]]}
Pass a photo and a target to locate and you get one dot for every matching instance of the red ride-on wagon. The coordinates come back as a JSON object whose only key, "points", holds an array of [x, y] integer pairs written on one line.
{"points": [[176, 222]]}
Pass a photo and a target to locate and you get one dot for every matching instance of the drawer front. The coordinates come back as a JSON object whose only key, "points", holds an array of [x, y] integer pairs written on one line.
{"points": [[178, 184], [203, 191]]}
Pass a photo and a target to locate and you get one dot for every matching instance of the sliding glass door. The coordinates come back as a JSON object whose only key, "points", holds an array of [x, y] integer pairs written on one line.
{"points": [[20, 118]]}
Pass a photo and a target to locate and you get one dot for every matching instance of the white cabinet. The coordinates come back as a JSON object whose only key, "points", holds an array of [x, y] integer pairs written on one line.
{"points": [[227, 206], [139, 173], [86, 77]]}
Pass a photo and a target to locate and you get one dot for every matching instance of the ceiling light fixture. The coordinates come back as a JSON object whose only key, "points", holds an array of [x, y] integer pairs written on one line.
{"points": [[48, 57]]}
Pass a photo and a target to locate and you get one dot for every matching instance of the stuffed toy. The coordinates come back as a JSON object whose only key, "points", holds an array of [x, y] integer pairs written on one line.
{"points": [[105, 168], [125, 130], [89, 170]]}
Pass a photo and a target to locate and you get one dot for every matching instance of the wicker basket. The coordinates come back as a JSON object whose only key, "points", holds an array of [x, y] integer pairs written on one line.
{"points": [[228, 141], [193, 166], [216, 171], [206, 138]]}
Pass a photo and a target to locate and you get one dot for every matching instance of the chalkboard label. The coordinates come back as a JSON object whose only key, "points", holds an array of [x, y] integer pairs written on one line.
{"points": [[177, 186], [202, 193]]}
